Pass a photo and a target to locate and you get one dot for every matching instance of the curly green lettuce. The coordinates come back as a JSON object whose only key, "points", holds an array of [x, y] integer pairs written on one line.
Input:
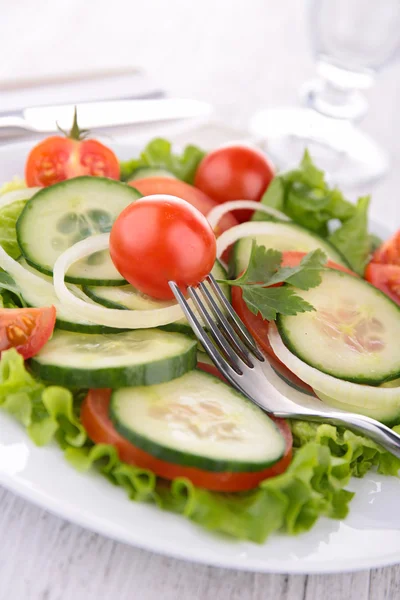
{"points": [[325, 458], [158, 154]]}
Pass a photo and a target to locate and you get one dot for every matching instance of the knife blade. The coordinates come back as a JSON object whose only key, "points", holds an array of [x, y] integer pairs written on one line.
{"points": [[102, 115]]}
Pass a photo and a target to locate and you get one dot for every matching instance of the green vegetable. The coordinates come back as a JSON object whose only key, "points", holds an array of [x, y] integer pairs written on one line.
{"points": [[15, 184], [8, 234], [325, 457], [352, 238], [158, 154], [304, 195], [264, 269], [9, 290]]}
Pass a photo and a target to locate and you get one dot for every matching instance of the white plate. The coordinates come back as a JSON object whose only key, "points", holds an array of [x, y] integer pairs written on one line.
{"points": [[368, 538]]}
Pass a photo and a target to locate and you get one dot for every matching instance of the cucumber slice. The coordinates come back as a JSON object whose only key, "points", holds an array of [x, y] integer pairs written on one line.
{"points": [[40, 292], [199, 421], [389, 415], [286, 236], [353, 334], [66, 213], [126, 296], [146, 172], [141, 357]]}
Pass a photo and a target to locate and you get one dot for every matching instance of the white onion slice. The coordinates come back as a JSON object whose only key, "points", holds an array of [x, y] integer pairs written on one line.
{"points": [[365, 396], [219, 211], [111, 317], [250, 228], [16, 195]]}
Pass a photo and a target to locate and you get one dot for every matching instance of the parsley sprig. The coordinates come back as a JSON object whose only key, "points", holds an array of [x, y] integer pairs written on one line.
{"points": [[264, 270]]}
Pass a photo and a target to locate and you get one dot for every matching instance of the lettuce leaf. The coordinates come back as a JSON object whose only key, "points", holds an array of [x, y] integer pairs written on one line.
{"points": [[158, 154], [15, 184], [352, 238], [325, 458], [8, 234]]}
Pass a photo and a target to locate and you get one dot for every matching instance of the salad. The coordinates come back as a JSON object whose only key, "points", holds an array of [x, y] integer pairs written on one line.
{"points": [[97, 356]]}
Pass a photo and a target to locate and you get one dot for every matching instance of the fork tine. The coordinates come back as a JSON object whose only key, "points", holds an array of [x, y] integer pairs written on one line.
{"points": [[237, 322], [231, 335], [220, 362], [216, 334]]}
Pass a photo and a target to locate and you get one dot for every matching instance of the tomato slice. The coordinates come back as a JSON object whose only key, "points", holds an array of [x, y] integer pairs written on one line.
{"points": [[389, 252], [386, 278], [258, 326], [100, 429], [26, 329], [174, 187], [59, 158]]}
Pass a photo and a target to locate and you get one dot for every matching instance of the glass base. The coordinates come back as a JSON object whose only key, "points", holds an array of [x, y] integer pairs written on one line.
{"points": [[348, 155]]}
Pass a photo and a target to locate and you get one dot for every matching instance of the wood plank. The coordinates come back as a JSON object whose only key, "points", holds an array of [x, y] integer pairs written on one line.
{"points": [[385, 583]]}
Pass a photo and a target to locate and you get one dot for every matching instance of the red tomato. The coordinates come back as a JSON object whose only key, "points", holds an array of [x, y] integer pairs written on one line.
{"points": [[174, 187], [385, 278], [389, 252], [26, 329], [211, 369], [258, 326], [234, 173], [100, 429], [160, 239], [58, 158]]}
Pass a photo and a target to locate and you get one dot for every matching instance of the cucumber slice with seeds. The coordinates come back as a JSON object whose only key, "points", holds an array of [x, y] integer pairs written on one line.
{"points": [[287, 237], [126, 296], [198, 421], [353, 334], [59, 216], [141, 357]]}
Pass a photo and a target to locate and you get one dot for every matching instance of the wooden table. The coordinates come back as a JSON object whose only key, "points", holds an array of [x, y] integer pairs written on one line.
{"points": [[241, 56]]}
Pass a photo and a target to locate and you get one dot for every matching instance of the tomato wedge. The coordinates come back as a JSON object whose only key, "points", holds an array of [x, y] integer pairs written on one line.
{"points": [[174, 187], [389, 252], [258, 326], [26, 329], [386, 278], [100, 429]]}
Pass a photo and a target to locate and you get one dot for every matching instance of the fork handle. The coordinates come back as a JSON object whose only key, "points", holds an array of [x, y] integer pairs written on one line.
{"points": [[376, 431]]}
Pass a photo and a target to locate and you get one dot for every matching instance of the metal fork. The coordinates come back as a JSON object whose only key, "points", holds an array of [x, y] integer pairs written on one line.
{"points": [[236, 355]]}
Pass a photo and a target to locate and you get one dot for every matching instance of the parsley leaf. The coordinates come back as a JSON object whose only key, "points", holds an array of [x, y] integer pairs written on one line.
{"points": [[264, 270]]}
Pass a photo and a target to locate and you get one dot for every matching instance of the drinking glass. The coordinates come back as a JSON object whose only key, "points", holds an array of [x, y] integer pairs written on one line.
{"points": [[351, 40]]}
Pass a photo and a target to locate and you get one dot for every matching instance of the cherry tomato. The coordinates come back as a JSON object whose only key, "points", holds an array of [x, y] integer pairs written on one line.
{"points": [[258, 326], [160, 239], [26, 329], [174, 187], [62, 157], [234, 173], [389, 252], [386, 278], [100, 429]]}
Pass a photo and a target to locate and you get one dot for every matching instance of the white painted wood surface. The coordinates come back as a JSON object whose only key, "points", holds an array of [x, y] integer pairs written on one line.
{"points": [[241, 56]]}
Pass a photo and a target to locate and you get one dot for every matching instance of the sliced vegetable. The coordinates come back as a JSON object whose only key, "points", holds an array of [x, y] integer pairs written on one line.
{"points": [[215, 215], [122, 359], [364, 396], [279, 236], [198, 421], [39, 291], [96, 420], [160, 239], [386, 278], [195, 197], [234, 172], [388, 415], [85, 308], [58, 158], [69, 212], [26, 329], [389, 252], [352, 334], [127, 297]]}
